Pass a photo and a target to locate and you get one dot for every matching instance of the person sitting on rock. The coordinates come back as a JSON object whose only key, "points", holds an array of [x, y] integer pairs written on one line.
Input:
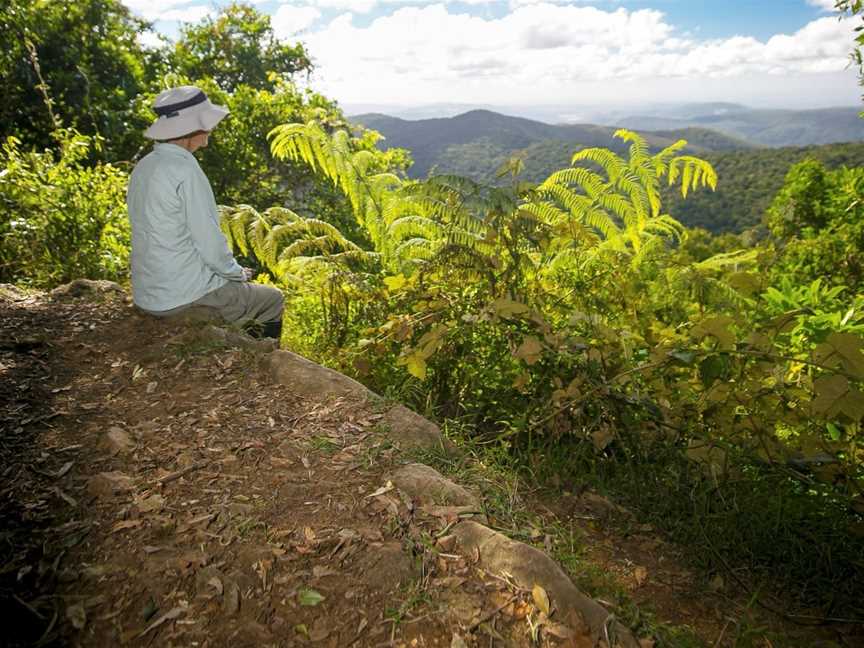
{"points": [[180, 258]]}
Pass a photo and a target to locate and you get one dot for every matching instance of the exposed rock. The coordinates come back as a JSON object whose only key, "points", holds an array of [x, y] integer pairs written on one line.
{"points": [[107, 484], [12, 293], [85, 288], [237, 339], [529, 567], [311, 380], [411, 430], [117, 441], [429, 487]]}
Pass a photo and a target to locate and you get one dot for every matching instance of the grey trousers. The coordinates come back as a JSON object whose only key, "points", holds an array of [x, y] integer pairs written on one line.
{"points": [[237, 302]]}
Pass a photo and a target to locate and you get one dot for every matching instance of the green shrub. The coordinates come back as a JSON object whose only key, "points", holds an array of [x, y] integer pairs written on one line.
{"points": [[61, 218]]}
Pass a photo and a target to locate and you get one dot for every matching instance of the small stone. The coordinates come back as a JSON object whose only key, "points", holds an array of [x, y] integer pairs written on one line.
{"points": [[118, 441], [108, 484]]}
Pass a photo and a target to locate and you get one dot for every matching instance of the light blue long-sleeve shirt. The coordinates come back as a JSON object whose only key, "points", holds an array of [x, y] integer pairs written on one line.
{"points": [[178, 251]]}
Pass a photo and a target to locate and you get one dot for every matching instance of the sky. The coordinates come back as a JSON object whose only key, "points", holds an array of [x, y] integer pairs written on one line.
{"points": [[763, 53]]}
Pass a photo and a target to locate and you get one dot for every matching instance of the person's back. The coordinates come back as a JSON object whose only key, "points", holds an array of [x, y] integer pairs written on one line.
{"points": [[168, 269], [180, 257]]}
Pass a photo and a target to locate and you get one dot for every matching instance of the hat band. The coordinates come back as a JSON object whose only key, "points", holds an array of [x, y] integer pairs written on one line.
{"points": [[173, 110]]}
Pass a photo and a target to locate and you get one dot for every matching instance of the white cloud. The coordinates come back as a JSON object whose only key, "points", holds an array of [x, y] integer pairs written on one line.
{"points": [[186, 14], [825, 5], [150, 39], [544, 50], [365, 6], [357, 6], [153, 9], [289, 20]]}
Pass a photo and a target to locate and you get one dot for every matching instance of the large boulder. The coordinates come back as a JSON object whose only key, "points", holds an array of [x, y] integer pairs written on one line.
{"points": [[399, 424], [529, 567], [311, 380], [410, 430], [430, 488]]}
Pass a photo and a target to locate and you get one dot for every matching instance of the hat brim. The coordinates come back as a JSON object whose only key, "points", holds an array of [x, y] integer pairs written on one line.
{"points": [[206, 117]]}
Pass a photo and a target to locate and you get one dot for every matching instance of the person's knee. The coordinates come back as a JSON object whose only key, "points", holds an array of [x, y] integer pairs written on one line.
{"points": [[276, 302]]}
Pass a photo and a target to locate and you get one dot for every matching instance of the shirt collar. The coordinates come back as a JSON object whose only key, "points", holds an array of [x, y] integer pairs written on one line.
{"points": [[167, 148]]}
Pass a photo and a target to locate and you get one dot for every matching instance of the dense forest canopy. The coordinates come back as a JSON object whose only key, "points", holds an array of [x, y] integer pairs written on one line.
{"points": [[568, 318]]}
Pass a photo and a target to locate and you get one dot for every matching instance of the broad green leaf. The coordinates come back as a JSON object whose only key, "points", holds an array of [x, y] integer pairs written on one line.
{"points": [[508, 308], [718, 328], [853, 404], [396, 282], [416, 365], [829, 392], [745, 282], [711, 369], [849, 347], [685, 358]]}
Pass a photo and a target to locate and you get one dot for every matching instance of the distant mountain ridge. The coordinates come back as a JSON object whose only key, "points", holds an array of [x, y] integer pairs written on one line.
{"points": [[439, 142], [764, 127]]}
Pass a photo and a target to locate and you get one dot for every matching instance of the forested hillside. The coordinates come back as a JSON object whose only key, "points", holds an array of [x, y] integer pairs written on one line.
{"points": [[476, 143], [748, 182], [554, 312]]}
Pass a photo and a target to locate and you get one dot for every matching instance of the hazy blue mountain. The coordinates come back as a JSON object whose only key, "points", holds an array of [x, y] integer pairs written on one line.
{"points": [[763, 127]]}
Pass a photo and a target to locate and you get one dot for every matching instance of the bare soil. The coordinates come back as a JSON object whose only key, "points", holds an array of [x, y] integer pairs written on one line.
{"points": [[158, 490]]}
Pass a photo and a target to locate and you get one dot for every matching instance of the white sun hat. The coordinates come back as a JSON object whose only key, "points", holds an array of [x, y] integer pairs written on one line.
{"points": [[183, 110]]}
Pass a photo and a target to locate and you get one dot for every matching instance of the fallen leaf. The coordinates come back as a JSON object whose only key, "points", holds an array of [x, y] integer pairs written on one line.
{"points": [[64, 469], [641, 575], [77, 616], [149, 504], [319, 571], [168, 616], [309, 597], [362, 626], [320, 629], [384, 489], [125, 524], [216, 583], [231, 599], [648, 642], [150, 608], [541, 599]]}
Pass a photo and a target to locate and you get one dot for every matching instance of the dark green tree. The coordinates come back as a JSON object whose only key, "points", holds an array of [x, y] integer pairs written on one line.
{"points": [[237, 47], [817, 221], [76, 64]]}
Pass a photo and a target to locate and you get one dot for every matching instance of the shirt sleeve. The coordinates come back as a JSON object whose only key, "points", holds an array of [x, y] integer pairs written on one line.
{"points": [[202, 219]]}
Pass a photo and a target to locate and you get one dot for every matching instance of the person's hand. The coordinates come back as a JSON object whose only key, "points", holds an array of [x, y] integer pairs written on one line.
{"points": [[248, 274]]}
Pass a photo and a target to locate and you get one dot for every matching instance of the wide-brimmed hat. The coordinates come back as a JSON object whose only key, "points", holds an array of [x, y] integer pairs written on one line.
{"points": [[182, 111]]}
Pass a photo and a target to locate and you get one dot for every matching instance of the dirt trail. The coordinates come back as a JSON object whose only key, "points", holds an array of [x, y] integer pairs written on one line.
{"points": [[159, 493]]}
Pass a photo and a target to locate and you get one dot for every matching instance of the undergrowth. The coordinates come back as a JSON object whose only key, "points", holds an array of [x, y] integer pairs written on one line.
{"points": [[764, 539]]}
